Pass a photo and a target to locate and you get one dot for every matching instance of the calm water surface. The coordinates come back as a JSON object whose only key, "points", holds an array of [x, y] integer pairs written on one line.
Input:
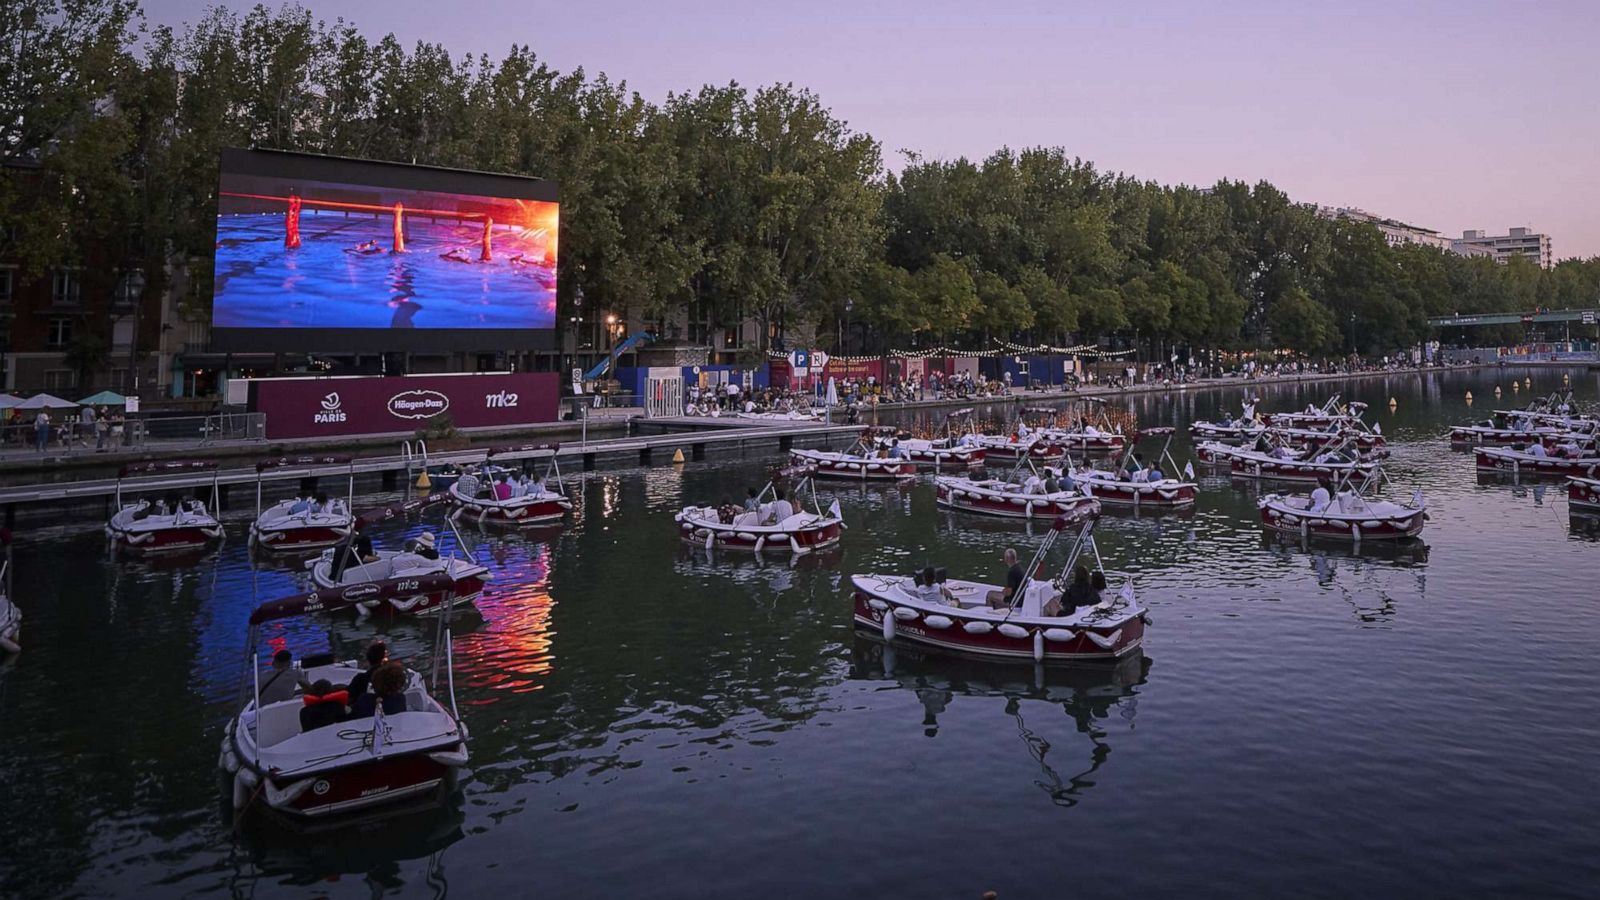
{"points": [[653, 722]]}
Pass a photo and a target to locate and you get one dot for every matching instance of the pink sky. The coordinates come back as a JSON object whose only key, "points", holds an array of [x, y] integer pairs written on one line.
{"points": [[1446, 115]]}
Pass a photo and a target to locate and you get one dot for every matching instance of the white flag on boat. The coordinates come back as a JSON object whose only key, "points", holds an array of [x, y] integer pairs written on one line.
{"points": [[1125, 595], [1416, 498], [1188, 469], [834, 510], [1377, 428]]}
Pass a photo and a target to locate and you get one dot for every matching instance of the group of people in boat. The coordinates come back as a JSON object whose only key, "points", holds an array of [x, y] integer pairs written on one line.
{"points": [[770, 513], [171, 505], [317, 504], [506, 486], [381, 685], [1085, 590]]}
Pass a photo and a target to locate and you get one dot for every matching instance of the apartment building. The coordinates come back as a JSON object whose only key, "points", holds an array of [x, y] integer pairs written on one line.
{"points": [[1518, 242]]}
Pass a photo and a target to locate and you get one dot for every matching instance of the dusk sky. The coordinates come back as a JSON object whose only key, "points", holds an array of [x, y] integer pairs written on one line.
{"points": [[1445, 115]]}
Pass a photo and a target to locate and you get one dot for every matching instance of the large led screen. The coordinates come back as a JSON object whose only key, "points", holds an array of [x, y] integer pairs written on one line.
{"points": [[326, 254]]}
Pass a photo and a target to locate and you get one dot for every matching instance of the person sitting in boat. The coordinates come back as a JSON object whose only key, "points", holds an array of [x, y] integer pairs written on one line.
{"points": [[1262, 444], [726, 511], [502, 489], [1002, 598], [1152, 474], [1091, 431], [320, 505], [467, 484], [426, 546], [363, 549], [142, 511], [1034, 485], [1079, 594], [1282, 453], [283, 680], [1536, 449], [324, 706], [388, 690], [778, 510], [1097, 584], [931, 589], [752, 500], [1051, 485], [377, 655], [1320, 498], [1135, 469], [895, 450]]}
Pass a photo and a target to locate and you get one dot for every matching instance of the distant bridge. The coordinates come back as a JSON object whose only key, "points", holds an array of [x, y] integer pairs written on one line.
{"points": [[1582, 316]]}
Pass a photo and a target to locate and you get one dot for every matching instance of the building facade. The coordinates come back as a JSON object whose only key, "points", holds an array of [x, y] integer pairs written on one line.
{"points": [[1518, 242], [1394, 231]]}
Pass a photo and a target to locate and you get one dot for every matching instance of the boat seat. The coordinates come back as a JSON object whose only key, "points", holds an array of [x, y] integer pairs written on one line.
{"points": [[795, 521], [747, 518], [278, 722]]}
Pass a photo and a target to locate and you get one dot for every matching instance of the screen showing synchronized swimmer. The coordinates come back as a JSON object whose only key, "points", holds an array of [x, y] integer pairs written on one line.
{"points": [[303, 246]]}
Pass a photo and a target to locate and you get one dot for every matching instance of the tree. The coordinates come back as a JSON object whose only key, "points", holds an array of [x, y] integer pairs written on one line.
{"points": [[1302, 324]]}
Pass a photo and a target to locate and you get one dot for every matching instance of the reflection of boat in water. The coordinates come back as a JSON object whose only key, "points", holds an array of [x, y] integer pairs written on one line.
{"points": [[1089, 695], [1583, 496], [1401, 552], [317, 850]]}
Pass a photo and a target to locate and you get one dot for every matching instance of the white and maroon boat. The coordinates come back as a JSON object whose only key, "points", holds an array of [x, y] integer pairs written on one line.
{"points": [[1583, 496], [956, 449], [1523, 431], [1363, 439], [1022, 494], [860, 462], [1084, 437], [10, 616], [1535, 462], [1329, 413], [1332, 464], [1143, 486], [303, 523], [1235, 432], [1011, 448], [343, 566], [955, 616], [340, 764], [776, 523], [169, 525], [1349, 512], [537, 501]]}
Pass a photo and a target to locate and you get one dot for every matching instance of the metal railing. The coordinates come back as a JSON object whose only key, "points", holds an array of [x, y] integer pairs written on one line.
{"points": [[70, 435]]}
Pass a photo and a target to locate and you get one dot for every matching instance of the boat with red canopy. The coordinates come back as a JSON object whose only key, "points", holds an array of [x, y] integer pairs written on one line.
{"points": [[345, 565], [1583, 496], [956, 449], [170, 524], [1139, 485], [508, 500], [308, 756], [776, 522], [303, 522], [927, 608], [861, 461], [1349, 511]]}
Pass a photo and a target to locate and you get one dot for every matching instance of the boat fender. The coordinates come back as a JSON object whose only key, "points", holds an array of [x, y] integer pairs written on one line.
{"points": [[1105, 642], [977, 627], [794, 546], [1355, 532], [1038, 646], [905, 613], [1371, 523], [1059, 635], [761, 542], [1013, 631], [750, 536], [877, 604], [241, 794], [888, 628], [940, 622], [711, 537]]}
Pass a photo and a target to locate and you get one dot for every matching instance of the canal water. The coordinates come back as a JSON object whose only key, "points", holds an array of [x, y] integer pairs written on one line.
{"points": [[650, 721]]}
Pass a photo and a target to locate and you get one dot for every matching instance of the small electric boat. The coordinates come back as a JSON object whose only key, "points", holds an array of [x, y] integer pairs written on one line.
{"points": [[303, 523], [10, 616], [860, 462], [775, 523], [1583, 496], [343, 566], [1238, 431], [314, 767], [1332, 463], [1141, 486], [1365, 440], [1350, 512], [1535, 461], [1024, 493], [1329, 413], [168, 525], [1016, 446], [955, 615], [537, 502], [1082, 437], [956, 449]]}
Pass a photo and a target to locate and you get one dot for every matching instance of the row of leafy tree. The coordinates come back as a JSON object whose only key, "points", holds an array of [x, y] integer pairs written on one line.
{"points": [[729, 202]]}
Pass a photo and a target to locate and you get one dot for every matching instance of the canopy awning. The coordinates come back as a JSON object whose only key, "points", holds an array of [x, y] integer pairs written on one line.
{"points": [[46, 401], [104, 398]]}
